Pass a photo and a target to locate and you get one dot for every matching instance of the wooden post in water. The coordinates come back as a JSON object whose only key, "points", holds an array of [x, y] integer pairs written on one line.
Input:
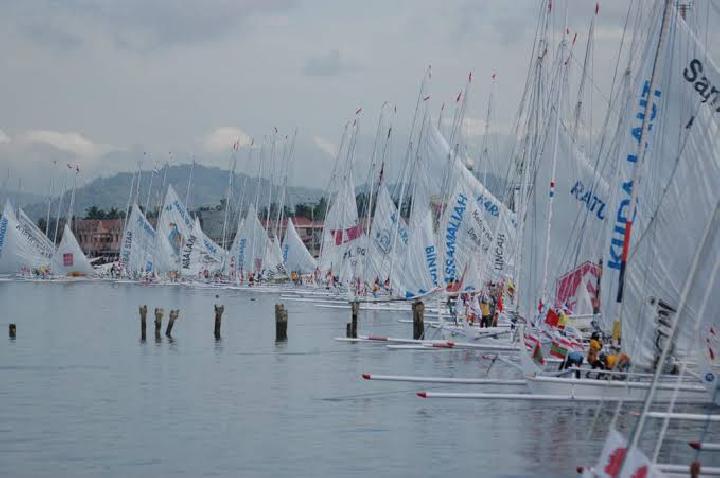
{"points": [[348, 331], [418, 309], [158, 322], [174, 315], [355, 310], [143, 322], [11, 331], [219, 309], [281, 320]]}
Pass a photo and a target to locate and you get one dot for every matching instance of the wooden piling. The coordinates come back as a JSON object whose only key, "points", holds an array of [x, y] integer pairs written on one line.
{"points": [[355, 310], [281, 320], [348, 331], [219, 309], [143, 322], [174, 315], [158, 322], [418, 310], [12, 331]]}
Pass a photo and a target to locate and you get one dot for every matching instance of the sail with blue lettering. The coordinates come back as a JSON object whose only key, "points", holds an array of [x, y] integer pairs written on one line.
{"points": [[475, 224], [201, 256], [174, 228], [18, 254], [418, 264], [247, 252], [676, 196], [138, 245], [389, 236], [343, 243], [580, 195], [296, 256]]}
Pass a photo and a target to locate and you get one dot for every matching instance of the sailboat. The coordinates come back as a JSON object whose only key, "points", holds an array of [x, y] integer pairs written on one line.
{"points": [[138, 245], [69, 259], [19, 251], [296, 256]]}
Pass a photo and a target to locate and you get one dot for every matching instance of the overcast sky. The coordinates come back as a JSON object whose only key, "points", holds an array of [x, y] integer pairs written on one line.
{"points": [[97, 82]]}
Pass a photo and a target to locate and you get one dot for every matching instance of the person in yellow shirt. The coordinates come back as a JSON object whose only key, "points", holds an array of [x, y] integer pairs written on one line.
{"points": [[485, 310], [594, 348], [563, 319]]}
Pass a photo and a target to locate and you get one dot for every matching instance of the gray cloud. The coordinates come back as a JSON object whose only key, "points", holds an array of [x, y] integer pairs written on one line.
{"points": [[161, 75], [137, 24], [329, 64]]}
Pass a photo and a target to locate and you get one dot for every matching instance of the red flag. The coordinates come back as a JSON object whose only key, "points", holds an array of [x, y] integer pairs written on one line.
{"points": [[499, 306], [552, 318]]}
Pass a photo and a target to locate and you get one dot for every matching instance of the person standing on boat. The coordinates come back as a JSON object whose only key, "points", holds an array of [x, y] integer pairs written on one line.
{"points": [[594, 348], [563, 318], [485, 312]]}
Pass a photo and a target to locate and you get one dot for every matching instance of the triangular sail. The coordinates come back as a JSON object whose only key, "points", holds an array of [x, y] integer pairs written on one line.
{"points": [[18, 253], [201, 256], [343, 245], [35, 236], [69, 259], [274, 264], [248, 249], [475, 223], [388, 242], [174, 227], [296, 256], [138, 245]]}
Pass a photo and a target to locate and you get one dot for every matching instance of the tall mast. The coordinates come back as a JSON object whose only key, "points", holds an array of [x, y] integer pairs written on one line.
{"points": [[49, 203], [228, 192], [187, 190], [559, 85]]}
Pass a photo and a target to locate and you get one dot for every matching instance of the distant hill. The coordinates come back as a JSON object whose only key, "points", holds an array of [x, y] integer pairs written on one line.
{"points": [[208, 189]]}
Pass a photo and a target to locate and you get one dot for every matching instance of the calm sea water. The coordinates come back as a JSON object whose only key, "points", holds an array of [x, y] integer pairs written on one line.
{"points": [[81, 395]]}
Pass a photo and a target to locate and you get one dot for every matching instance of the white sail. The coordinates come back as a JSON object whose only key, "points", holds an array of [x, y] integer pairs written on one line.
{"points": [[17, 252], [388, 242], [36, 237], [138, 245], [201, 256], [475, 223], [580, 202], [343, 243], [69, 259], [274, 264], [677, 194], [419, 267], [248, 249], [296, 256], [174, 227]]}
